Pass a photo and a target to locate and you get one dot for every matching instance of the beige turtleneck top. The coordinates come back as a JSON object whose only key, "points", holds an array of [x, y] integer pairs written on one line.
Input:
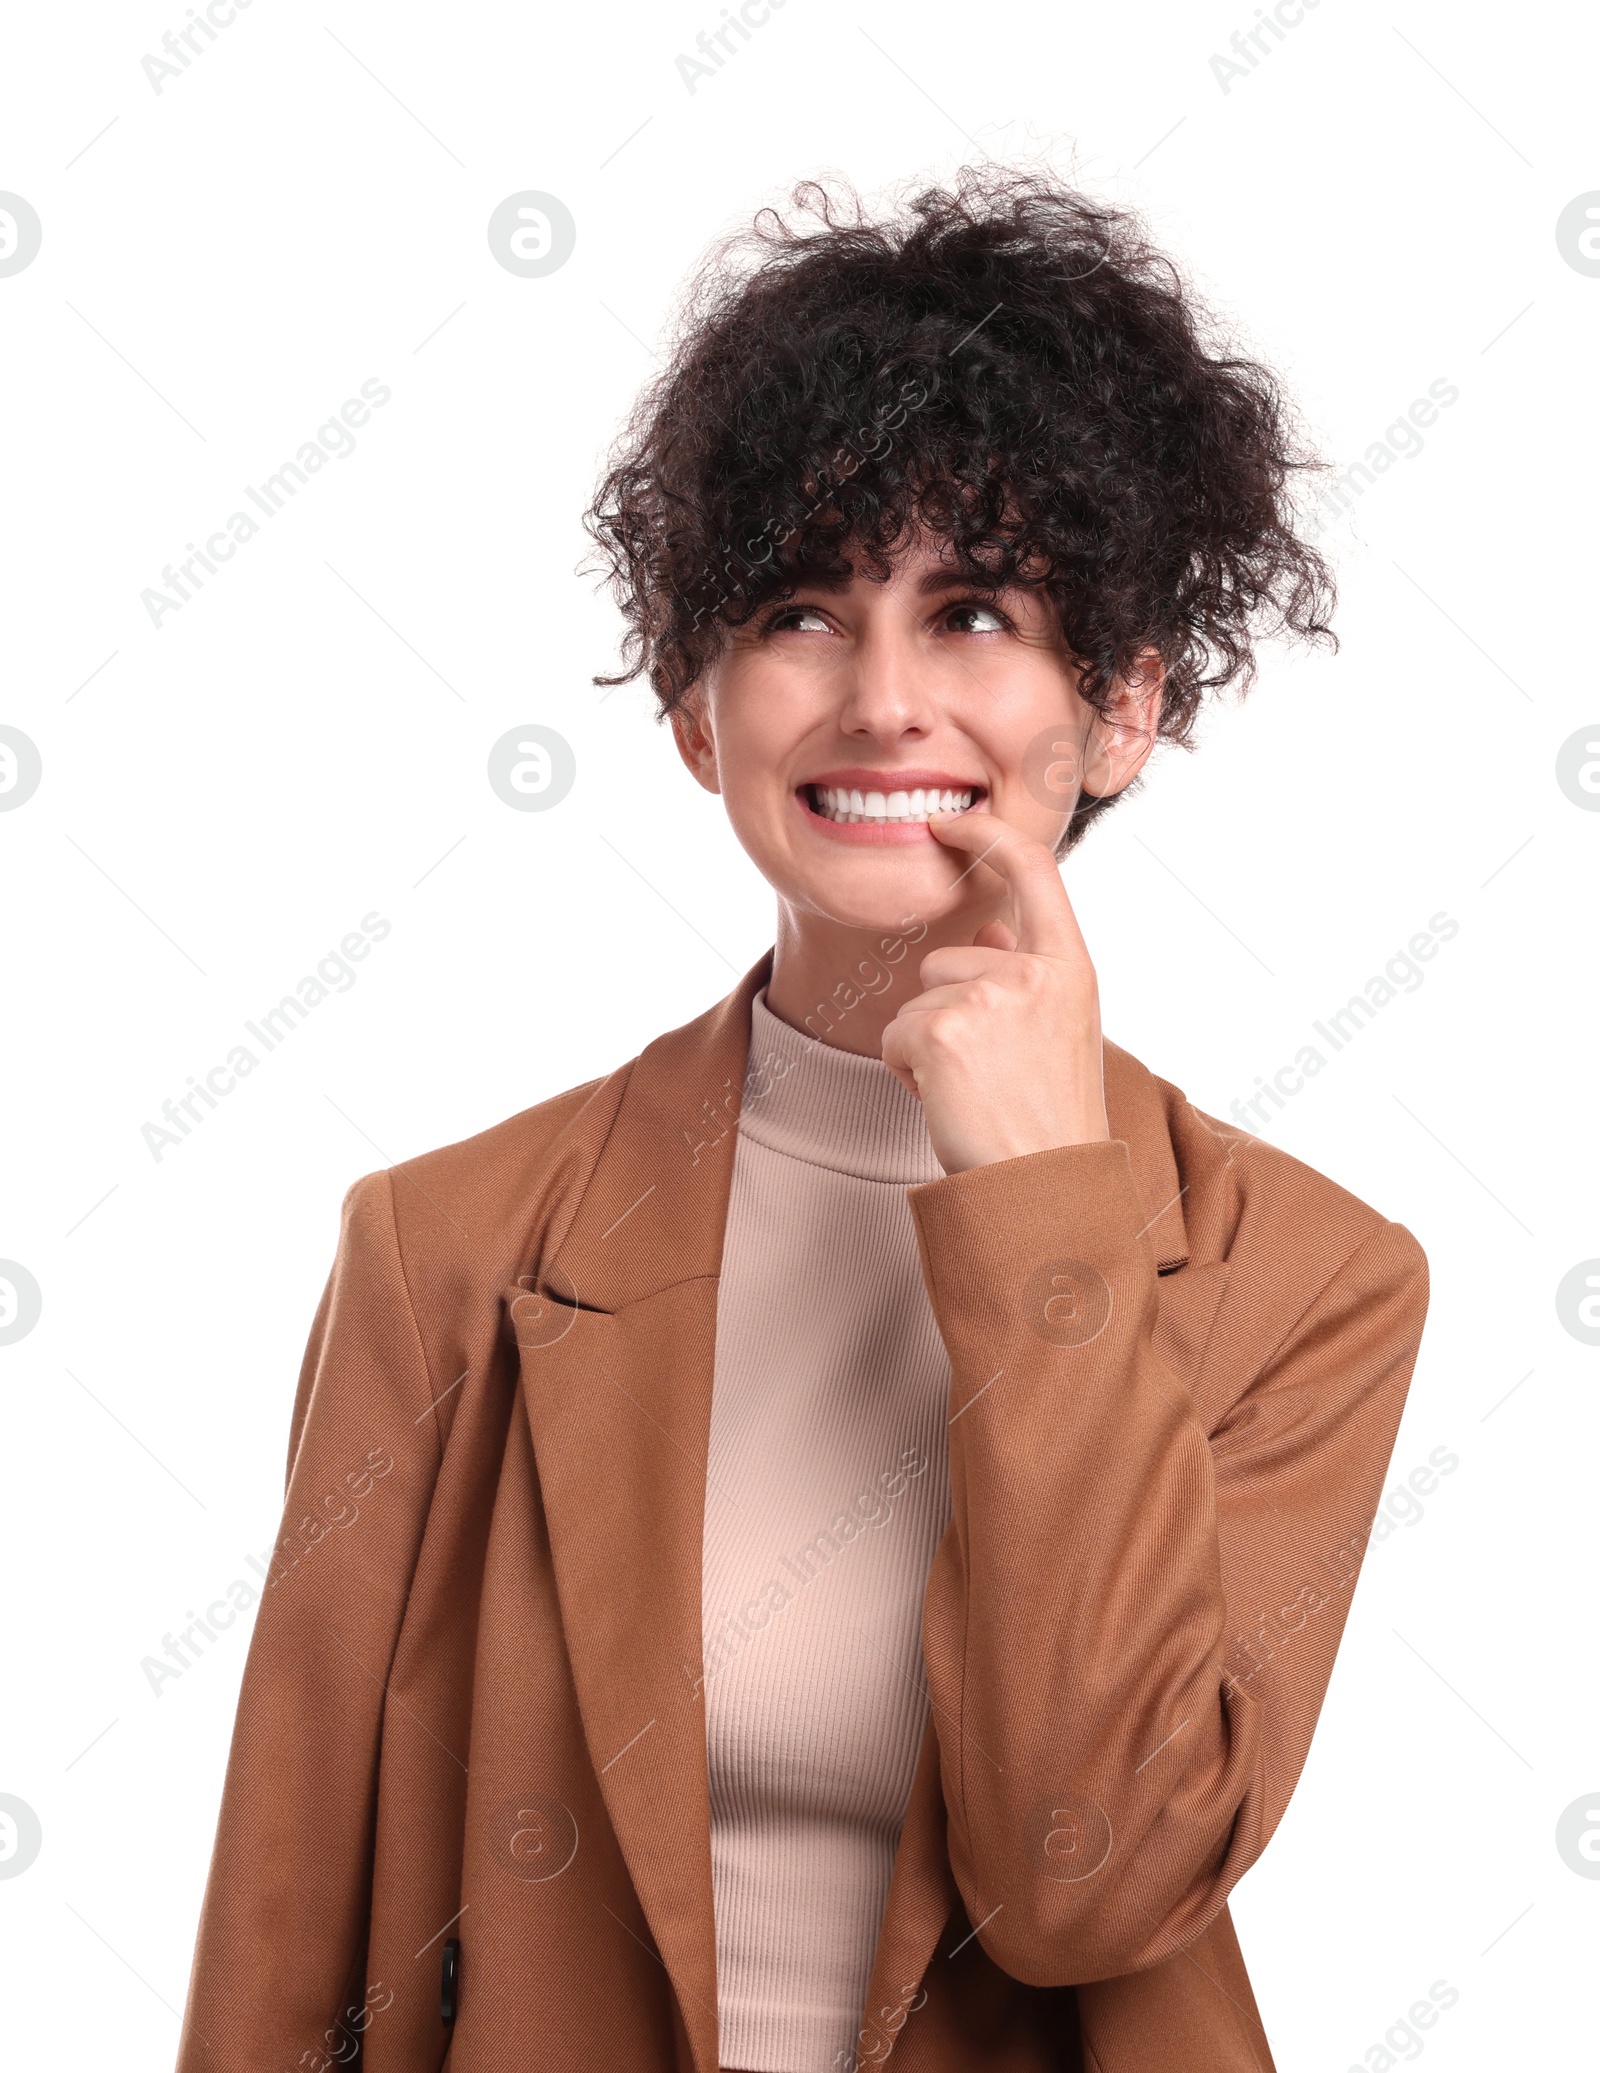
{"points": [[827, 1491]]}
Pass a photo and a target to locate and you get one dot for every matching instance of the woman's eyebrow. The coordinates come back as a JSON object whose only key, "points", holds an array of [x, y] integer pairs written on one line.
{"points": [[928, 584], [933, 580]]}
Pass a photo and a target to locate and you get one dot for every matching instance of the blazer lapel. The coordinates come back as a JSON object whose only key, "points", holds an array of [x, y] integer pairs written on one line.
{"points": [[617, 1338], [1136, 1110]]}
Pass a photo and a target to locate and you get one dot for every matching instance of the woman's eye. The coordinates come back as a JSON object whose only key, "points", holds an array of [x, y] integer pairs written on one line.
{"points": [[797, 619], [975, 618]]}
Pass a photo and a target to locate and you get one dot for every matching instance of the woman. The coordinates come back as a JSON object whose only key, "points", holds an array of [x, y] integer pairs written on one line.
{"points": [[827, 1544]]}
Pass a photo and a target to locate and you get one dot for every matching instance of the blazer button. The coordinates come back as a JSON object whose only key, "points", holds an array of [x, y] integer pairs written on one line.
{"points": [[450, 1981]]}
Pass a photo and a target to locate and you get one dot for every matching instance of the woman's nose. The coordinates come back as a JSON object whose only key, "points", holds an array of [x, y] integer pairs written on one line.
{"points": [[887, 689]]}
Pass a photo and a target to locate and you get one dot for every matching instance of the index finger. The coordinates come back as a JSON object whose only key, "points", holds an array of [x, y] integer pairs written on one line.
{"points": [[1041, 910]]}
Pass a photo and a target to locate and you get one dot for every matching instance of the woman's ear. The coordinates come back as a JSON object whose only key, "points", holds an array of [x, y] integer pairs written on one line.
{"points": [[1123, 735], [694, 738]]}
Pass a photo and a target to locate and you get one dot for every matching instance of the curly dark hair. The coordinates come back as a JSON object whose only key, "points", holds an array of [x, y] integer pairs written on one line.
{"points": [[1006, 364]]}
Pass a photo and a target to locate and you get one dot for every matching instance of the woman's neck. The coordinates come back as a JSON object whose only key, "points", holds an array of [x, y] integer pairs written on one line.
{"points": [[844, 986]]}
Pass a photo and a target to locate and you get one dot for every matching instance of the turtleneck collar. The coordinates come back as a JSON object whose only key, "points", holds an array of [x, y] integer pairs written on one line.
{"points": [[831, 1108]]}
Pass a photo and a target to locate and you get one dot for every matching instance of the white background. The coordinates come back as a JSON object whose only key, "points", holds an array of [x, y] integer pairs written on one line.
{"points": [[1372, 208]]}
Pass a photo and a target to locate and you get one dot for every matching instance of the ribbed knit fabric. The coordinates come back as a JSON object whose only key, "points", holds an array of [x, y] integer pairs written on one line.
{"points": [[827, 1492]]}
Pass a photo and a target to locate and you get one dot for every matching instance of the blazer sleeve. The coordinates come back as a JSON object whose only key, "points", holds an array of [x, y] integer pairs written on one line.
{"points": [[1130, 1626], [281, 1945]]}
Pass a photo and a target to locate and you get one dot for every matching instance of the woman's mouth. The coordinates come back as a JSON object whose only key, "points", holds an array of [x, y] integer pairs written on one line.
{"points": [[856, 806]]}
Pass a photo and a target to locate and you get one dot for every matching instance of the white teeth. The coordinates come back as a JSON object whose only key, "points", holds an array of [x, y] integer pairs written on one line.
{"points": [[837, 803]]}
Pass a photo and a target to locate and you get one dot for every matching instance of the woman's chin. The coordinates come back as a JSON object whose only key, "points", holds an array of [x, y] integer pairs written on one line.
{"points": [[884, 890]]}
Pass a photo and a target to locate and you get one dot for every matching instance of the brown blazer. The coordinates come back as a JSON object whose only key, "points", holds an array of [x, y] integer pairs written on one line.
{"points": [[472, 1706]]}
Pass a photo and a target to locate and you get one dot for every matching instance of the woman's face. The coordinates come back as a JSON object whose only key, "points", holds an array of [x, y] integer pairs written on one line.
{"points": [[836, 722]]}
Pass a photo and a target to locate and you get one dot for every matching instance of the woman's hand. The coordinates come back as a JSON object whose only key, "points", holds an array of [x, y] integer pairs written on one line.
{"points": [[1003, 1046]]}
